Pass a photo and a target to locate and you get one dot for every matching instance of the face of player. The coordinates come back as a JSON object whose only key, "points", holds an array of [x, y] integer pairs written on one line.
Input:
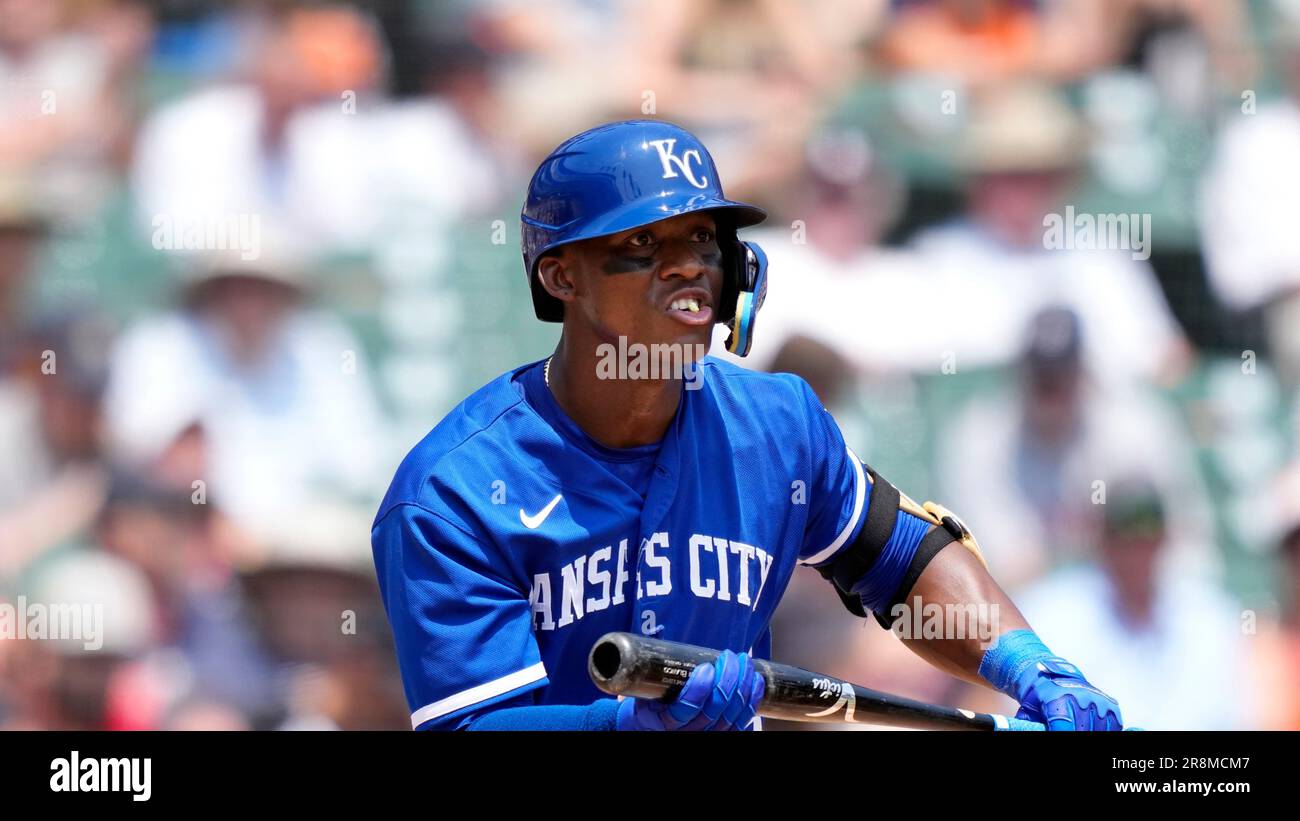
{"points": [[659, 283]]}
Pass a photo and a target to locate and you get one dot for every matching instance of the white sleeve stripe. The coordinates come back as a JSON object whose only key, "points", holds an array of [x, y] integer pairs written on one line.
{"points": [[859, 496], [474, 695]]}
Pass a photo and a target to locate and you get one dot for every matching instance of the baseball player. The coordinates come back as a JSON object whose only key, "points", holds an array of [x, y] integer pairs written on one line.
{"points": [[592, 492]]}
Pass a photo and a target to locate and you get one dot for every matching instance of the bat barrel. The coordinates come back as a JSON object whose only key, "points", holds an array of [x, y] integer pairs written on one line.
{"points": [[624, 664], [607, 664]]}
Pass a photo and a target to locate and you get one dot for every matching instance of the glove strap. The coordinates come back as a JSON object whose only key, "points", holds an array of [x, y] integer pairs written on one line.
{"points": [[1014, 654]]}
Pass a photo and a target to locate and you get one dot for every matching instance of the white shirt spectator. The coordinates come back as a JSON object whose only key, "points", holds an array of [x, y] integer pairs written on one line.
{"points": [[336, 182], [981, 295], [1183, 672], [1122, 434], [1247, 208], [865, 307], [960, 298], [299, 428]]}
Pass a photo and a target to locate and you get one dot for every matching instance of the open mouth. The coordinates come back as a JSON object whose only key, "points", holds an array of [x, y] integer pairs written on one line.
{"points": [[691, 310]]}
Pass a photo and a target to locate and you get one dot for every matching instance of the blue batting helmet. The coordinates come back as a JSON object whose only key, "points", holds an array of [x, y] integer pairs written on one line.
{"points": [[627, 174]]}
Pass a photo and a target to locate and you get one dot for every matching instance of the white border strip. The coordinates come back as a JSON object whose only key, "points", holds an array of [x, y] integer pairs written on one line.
{"points": [[473, 695], [858, 497]]}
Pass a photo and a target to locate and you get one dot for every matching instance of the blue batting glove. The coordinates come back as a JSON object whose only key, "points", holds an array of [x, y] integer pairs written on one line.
{"points": [[1054, 692], [1050, 690], [721, 696]]}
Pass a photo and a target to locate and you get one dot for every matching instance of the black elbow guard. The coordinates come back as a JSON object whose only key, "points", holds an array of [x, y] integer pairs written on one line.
{"points": [[851, 564]]}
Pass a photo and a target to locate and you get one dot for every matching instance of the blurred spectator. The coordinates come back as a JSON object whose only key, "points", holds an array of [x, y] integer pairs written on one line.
{"points": [[320, 617], [1168, 647], [831, 281], [988, 42], [821, 367], [990, 271], [52, 481], [749, 75], [287, 142], [706, 51], [1247, 198], [558, 68], [445, 154], [977, 41], [93, 678], [1083, 36], [307, 140], [201, 614], [66, 76], [281, 392], [1025, 468]]}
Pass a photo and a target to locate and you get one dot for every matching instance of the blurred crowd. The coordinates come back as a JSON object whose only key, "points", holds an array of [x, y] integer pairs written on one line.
{"points": [[251, 251]]}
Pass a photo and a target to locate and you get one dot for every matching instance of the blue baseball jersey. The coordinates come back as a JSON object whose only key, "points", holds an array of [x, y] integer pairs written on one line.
{"points": [[510, 541]]}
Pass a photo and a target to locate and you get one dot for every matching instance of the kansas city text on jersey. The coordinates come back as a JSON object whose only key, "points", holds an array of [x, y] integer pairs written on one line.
{"points": [[722, 569]]}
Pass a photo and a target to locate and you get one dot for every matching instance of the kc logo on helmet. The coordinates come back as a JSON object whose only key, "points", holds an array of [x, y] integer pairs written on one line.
{"points": [[682, 163]]}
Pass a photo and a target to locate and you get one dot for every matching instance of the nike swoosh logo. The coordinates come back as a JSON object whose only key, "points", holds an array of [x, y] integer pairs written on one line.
{"points": [[535, 521]]}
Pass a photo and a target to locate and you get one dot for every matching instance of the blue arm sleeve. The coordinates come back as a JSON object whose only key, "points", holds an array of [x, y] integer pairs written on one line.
{"points": [[878, 585], [599, 716]]}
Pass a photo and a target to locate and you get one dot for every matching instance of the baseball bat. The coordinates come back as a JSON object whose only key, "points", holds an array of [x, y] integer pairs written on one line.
{"points": [[630, 665]]}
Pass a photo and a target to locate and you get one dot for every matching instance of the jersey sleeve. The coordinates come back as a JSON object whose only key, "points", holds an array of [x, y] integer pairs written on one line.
{"points": [[838, 490], [840, 495], [462, 627]]}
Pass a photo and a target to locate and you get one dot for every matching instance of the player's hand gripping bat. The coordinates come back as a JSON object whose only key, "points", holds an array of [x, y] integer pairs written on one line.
{"points": [[630, 665]]}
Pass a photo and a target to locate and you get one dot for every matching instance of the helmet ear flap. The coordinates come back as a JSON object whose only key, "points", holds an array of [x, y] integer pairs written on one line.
{"points": [[750, 276], [733, 262]]}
